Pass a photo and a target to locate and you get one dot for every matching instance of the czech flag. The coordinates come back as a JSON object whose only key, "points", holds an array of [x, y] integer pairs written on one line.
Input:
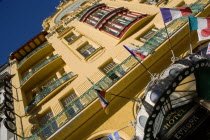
{"points": [[208, 49], [170, 14], [114, 136], [196, 23], [203, 34], [136, 52], [101, 96]]}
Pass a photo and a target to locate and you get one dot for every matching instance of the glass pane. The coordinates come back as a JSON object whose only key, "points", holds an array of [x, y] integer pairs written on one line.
{"points": [[87, 50]]}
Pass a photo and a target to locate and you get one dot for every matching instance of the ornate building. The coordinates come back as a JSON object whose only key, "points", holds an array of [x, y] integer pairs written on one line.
{"points": [[84, 39]]}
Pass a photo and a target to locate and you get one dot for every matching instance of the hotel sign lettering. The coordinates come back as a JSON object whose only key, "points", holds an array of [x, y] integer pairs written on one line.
{"points": [[173, 117], [190, 124]]}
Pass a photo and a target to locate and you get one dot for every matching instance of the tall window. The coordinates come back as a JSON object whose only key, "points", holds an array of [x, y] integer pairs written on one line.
{"points": [[73, 108], [117, 72], [96, 15], [120, 22], [114, 21], [86, 50], [51, 128], [70, 38], [61, 29]]}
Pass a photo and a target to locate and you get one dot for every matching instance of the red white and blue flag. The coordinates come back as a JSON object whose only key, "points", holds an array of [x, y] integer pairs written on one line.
{"points": [[136, 52], [101, 96], [208, 49], [170, 14], [203, 34]]}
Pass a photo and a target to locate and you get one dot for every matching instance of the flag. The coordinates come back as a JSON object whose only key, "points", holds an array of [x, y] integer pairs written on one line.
{"points": [[170, 14], [136, 52], [196, 23], [208, 49], [203, 34], [101, 96], [114, 136]]}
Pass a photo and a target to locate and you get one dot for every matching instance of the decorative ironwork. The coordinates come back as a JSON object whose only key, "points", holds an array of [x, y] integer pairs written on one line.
{"points": [[42, 64], [160, 37], [31, 53], [85, 99], [46, 91]]}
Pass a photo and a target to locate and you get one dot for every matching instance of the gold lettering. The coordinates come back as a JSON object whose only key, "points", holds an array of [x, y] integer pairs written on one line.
{"points": [[166, 126], [171, 121]]}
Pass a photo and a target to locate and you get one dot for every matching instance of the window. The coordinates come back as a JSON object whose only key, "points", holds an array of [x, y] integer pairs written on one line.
{"points": [[113, 75], [70, 38], [111, 31], [96, 15], [68, 99], [74, 107], [111, 20], [148, 34], [86, 50], [91, 22], [61, 29], [152, 2], [120, 22], [142, 120], [51, 128], [99, 13]]}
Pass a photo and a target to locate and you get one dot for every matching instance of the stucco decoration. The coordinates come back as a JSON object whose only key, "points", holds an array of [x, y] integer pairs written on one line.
{"points": [[70, 8]]}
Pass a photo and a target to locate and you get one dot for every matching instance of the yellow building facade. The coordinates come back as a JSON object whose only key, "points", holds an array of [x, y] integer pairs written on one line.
{"points": [[84, 39]]}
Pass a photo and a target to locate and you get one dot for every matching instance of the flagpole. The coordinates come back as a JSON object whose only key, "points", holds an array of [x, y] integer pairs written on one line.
{"points": [[174, 58], [124, 127], [111, 94], [144, 66], [191, 51], [125, 98]]}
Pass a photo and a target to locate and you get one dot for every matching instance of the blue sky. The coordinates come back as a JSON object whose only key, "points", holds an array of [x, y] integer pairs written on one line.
{"points": [[20, 21]]}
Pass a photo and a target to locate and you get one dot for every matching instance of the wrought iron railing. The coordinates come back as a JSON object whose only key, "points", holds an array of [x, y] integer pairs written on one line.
{"points": [[83, 101], [42, 64], [160, 37], [31, 53], [46, 91]]}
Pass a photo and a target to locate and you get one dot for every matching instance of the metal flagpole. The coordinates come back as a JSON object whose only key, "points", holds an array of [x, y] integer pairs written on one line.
{"points": [[125, 98], [124, 127], [191, 51], [95, 86], [144, 67], [142, 63], [174, 58]]}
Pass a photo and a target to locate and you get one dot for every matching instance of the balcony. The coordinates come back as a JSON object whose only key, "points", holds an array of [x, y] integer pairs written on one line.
{"points": [[83, 101], [49, 89], [37, 68], [31, 54], [173, 27]]}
